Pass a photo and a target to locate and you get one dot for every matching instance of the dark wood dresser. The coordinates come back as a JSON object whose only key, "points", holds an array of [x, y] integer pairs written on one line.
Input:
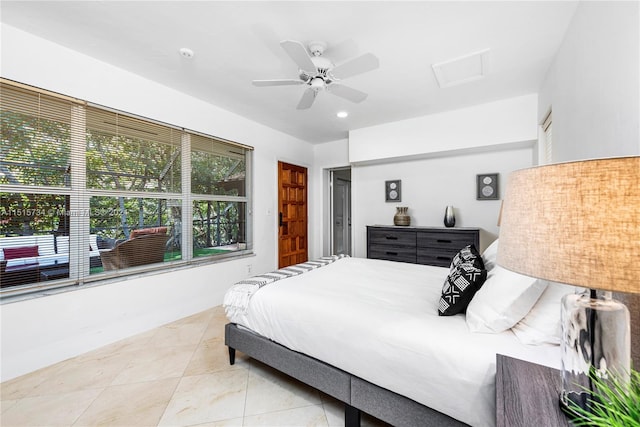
{"points": [[419, 245]]}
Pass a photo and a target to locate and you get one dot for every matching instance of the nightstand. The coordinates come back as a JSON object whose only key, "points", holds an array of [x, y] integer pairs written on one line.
{"points": [[527, 394]]}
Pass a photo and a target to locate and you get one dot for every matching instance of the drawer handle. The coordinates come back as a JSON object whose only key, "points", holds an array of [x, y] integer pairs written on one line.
{"points": [[443, 241], [391, 237], [443, 257], [391, 253]]}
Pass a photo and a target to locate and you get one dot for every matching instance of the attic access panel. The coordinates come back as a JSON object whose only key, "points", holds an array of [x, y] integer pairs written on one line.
{"points": [[463, 69]]}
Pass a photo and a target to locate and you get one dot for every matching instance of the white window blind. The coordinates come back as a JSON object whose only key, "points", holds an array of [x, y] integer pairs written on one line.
{"points": [[36, 137]]}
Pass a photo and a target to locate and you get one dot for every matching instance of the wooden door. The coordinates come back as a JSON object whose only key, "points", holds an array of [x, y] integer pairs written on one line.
{"points": [[292, 215]]}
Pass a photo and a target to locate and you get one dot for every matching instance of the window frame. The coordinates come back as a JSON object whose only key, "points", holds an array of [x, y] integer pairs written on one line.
{"points": [[547, 133]]}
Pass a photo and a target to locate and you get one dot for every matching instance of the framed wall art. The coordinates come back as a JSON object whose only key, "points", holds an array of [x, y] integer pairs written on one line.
{"points": [[392, 190], [487, 186]]}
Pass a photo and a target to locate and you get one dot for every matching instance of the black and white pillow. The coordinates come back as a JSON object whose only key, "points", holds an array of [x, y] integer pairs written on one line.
{"points": [[459, 288], [466, 255]]}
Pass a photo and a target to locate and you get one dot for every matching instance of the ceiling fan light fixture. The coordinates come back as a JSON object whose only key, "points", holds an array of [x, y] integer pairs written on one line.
{"points": [[317, 83], [342, 114]]}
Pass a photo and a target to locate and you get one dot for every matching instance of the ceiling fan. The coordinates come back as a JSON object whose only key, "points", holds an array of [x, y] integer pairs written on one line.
{"points": [[319, 73]]}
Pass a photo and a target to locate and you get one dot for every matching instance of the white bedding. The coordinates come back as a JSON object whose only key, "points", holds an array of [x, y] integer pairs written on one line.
{"points": [[378, 320]]}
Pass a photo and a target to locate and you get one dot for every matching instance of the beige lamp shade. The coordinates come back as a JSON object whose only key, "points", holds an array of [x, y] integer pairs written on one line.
{"points": [[576, 223]]}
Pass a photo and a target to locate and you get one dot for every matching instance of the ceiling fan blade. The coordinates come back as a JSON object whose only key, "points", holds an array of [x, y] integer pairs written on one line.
{"points": [[307, 99], [280, 82], [299, 54], [361, 64], [346, 92]]}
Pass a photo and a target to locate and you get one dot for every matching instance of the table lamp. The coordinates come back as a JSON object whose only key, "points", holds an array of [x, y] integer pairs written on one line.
{"points": [[579, 223]]}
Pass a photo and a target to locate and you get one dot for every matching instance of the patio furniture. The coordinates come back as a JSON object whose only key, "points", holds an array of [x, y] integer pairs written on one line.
{"points": [[142, 250], [54, 273], [23, 258]]}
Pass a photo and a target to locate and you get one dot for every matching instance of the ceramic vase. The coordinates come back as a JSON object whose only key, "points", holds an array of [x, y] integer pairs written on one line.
{"points": [[401, 217], [449, 217]]}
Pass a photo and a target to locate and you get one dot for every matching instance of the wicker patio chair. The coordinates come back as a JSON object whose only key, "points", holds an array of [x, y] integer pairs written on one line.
{"points": [[142, 250]]}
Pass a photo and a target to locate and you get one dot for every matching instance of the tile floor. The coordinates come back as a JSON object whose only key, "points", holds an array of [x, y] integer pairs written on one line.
{"points": [[175, 375]]}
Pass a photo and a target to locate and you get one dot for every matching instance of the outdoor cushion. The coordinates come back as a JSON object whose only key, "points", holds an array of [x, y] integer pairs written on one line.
{"points": [[151, 230], [20, 252]]}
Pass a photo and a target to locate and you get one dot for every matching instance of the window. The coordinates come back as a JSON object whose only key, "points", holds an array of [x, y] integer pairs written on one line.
{"points": [[136, 166], [218, 185], [89, 193]]}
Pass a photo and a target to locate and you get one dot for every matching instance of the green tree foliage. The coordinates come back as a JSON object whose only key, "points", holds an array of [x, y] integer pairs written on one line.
{"points": [[34, 151], [27, 214], [215, 223], [215, 174], [37, 152], [117, 162]]}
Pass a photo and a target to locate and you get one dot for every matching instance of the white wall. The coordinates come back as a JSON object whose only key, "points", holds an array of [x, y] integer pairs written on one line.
{"points": [[593, 84], [437, 157], [501, 122], [428, 185], [593, 89], [42, 331]]}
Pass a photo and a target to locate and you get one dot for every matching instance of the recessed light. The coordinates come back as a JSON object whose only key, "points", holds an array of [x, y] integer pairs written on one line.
{"points": [[342, 114], [186, 52]]}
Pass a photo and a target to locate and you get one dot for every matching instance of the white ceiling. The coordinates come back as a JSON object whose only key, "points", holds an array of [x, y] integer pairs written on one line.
{"points": [[237, 42]]}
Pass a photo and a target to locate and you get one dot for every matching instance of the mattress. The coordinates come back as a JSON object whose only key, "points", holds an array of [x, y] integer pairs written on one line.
{"points": [[378, 320]]}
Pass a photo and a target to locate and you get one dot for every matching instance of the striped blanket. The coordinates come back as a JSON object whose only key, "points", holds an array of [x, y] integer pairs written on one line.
{"points": [[236, 299]]}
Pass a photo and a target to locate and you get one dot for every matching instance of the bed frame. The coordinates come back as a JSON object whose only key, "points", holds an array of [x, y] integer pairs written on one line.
{"points": [[357, 394]]}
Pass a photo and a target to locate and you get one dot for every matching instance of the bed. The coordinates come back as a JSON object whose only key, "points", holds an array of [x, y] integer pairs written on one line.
{"points": [[368, 333]]}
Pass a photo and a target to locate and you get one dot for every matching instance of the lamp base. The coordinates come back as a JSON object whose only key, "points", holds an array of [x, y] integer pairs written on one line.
{"points": [[596, 344], [569, 401]]}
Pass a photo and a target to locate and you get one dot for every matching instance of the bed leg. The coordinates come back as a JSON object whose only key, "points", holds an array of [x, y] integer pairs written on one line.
{"points": [[232, 356], [351, 416]]}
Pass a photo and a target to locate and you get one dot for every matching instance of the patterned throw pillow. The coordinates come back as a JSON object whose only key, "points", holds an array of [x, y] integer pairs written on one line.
{"points": [[466, 255], [459, 288]]}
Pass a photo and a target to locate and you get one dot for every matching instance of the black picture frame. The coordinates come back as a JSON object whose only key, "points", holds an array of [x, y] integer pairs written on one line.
{"points": [[487, 186], [393, 190]]}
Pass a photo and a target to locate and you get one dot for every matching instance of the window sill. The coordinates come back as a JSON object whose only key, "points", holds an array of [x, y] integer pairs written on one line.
{"points": [[38, 290]]}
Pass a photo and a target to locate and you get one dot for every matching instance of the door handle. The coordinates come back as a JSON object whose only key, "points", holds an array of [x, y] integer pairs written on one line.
{"points": [[280, 219]]}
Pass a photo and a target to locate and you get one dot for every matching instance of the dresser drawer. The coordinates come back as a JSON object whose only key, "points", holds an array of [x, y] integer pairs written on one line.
{"points": [[406, 238], [436, 256], [445, 240], [421, 245], [393, 253]]}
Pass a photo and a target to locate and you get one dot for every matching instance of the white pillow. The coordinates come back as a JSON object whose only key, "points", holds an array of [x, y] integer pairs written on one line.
{"points": [[489, 255], [542, 324], [503, 300]]}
